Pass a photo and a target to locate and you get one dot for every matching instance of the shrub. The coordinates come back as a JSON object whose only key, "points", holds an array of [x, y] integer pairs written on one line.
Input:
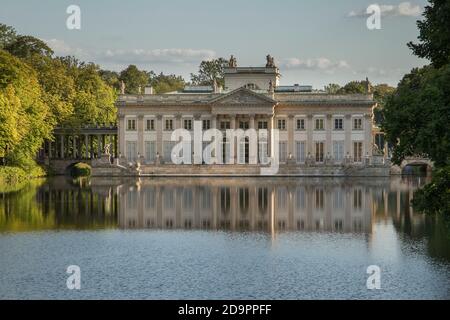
{"points": [[80, 170]]}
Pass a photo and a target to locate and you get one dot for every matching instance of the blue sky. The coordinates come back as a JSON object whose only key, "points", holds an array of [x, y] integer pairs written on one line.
{"points": [[314, 42]]}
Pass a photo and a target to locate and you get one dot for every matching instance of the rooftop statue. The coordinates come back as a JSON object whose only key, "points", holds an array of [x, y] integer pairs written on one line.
{"points": [[270, 61], [232, 63], [122, 87]]}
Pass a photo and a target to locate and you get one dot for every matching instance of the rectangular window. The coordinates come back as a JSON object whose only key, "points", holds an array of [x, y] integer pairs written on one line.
{"points": [[300, 124], [168, 146], [338, 151], [338, 124], [150, 125], [262, 151], [262, 125], [169, 125], [150, 151], [319, 124], [224, 125], [206, 124], [131, 150], [319, 151], [188, 124], [131, 125], [243, 125], [300, 151], [357, 124], [282, 124], [283, 151], [357, 151]]}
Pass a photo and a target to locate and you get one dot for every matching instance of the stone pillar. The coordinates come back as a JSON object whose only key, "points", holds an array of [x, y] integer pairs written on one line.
{"points": [[121, 132], [309, 135], [269, 136], [252, 149], [159, 135], [290, 128], [62, 137], [368, 135], [233, 143], [348, 135], [99, 146], [328, 143], [140, 135], [86, 142]]}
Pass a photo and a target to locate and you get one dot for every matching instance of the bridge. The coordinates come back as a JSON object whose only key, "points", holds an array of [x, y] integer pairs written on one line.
{"points": [[84, 144], [410, 162]]}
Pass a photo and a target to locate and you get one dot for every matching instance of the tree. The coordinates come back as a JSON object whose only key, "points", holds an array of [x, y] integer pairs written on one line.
{"points": [[166, 83], [209, 71], [7, 35], [111, 78], [417, 116], [434, 34], [353, 87], [332, 88], [27, 46], [27, 120], [134, 78]]}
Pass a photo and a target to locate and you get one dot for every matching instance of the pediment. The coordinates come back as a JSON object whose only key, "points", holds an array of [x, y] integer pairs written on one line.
{"points": [[243, 96]]}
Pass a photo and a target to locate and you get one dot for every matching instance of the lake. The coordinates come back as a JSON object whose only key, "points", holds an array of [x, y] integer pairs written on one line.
{"points": [[221, 238]]}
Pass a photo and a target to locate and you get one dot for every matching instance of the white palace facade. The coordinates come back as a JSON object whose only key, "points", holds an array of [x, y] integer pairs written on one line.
{"points": [[319, 133]]}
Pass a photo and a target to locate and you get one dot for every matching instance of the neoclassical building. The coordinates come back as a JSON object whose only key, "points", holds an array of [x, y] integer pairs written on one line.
{"points": [[318, 132]]}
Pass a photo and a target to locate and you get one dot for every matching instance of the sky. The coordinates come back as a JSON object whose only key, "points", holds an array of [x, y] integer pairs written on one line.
{"points": [[314, 42]]}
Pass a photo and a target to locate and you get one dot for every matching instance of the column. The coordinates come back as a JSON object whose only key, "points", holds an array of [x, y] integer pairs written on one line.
{"points": [[270, 126], [233, 142], [86, 142], [348, 135], [253, 148], [140, 135], [290, 128], [62, 137], [309, 135], [328, 142], [159, 134], [121, 133], [368, 135], [99, 146]]}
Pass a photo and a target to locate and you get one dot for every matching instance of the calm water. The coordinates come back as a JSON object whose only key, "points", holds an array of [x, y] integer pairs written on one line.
{"points": [[199, 238]]}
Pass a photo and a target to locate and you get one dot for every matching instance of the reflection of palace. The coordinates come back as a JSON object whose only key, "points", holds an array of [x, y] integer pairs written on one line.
{"points": [[234, 204]]}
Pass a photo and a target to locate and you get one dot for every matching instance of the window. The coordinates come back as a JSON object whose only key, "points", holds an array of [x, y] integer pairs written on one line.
{"points": [[168, 146], [225, 125], [169, 124], [131, 150], [251, 86], [300, 151], [319, 151], [188, 124], [150, 151], [262, 151], [319, 124], [338, 150], [338, 124], [300, 124], [131, 125], [150, 125], [357, 124], [281, 124], [357, 151], [283, 151], [262, 125], [243, 125], [206, 124]]}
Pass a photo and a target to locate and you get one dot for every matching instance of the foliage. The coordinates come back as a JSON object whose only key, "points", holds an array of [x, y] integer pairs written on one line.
{"points": [[418, 114], [27, 46], [134, 79], [166, 83], [209, 71], [435, 196], [434, 34], [7, 35], [80, 170], [26, 118], [332, 88]]}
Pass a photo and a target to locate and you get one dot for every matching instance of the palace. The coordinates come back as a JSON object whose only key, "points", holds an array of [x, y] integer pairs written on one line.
{"points": [[318, 133]]}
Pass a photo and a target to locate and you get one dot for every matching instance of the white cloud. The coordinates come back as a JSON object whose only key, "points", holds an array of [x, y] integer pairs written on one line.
{"points": [[404, 9], [133, 56], [321, 63]]}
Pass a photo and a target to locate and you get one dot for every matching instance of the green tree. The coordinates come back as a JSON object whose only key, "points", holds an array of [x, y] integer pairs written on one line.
{"points": [[134, 78], [22, 107], [354, 87], [417, 116], [434, 36], [166, 83], [332, 88], [27, 46], [7, 35], [209, 71]]}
